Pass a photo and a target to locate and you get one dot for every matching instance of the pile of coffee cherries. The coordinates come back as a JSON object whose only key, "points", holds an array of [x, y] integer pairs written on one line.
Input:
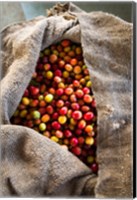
{"points": [[59, 103]]}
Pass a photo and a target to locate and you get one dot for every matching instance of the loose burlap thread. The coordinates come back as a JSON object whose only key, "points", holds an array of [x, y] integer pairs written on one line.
{"points": [[32, 165]]}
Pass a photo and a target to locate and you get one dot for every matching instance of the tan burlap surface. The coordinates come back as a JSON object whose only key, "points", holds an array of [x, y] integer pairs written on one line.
{"points": [[32, 165]]}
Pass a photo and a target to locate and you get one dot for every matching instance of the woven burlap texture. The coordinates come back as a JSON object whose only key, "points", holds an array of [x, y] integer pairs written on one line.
{"points": [[32, 165]]}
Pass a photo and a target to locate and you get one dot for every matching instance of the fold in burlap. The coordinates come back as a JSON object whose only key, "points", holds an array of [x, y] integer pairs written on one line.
{"points": [[32, 165]]}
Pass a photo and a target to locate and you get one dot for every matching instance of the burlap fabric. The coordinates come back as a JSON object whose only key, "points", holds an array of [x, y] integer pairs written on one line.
{"points": [[32, 165]]}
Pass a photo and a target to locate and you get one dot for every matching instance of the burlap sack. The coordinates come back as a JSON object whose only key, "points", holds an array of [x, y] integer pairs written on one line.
{"points": [[34, 166]]}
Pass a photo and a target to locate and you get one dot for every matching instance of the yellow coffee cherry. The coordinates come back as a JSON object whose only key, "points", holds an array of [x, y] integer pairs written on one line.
{"points": [[89, 140], [23, 113], [54, 138], [25, 101], [62, 119]]}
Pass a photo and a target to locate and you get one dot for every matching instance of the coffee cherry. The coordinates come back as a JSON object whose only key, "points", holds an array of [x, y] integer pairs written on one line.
{"points": [[87, 98], [78, 50], [94, 167], [76, 83], [42, 88], [86, 72], [62, 55], [85, 108], [53, 58], [69, 113], [42, 127], [93, 103], [67, 58], [73, 142], [47, 134], [66, 141], [48, 98], [47, 51], [42, 110], [67, 49], [47, 66], [73, 61], [90, 159], [65, 74], [52, 91], [89, 140], [60, 91], [55, 52], [77, 69], [82, 124], [89, 129], [67, 133], [49, 109], [71, 127], [55, 115], [73, 98], [62, 119], [16, 113], [73, 121], [88, 84], [59, 48], [57, 79], [58, 73], [76, 150], [29, 124], [79, 93], [78, 131], [40, 97], [56, 125], [61, 63], [82, 82], [45, 118], [59, 134], [28, 116], [65, 43], [36, 114], [86, 90], [60, 103], [88, 116], [81, 140], [71, 53], [75, 106], [68, 91], [77, 115], [67, 104], [23, 113], [45, 59], [63, 110], [26, 93], [34, 90], [39, 78], [68, 67], [34, 103], [25, 101], [78, 76], [49, 74], [37, 121], [54, 138], [42, 103]]}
